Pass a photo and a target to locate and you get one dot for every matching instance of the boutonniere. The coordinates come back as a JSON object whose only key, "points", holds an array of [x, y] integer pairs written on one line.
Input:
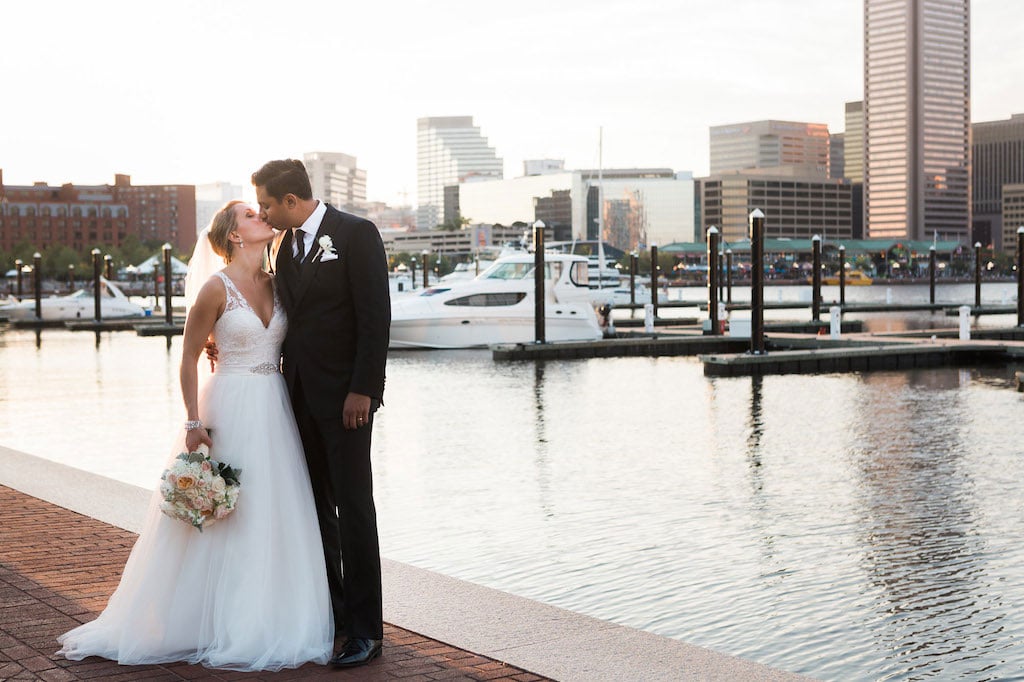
{"points": [[327, 250]]}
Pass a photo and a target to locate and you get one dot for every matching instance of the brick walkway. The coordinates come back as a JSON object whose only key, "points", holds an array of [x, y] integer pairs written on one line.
{"points": [[58, 568]]}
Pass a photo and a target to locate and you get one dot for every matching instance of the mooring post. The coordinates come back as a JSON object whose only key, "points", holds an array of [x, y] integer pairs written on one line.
{"points": [[756, 225], [168, 313], [728, 275], [1020, 276], [816, 277], [977, 274], [654, 278], [538, 281], [97, 310], [842, 275], [931, 274], [37, 283], [632, 278], [713, 280]]}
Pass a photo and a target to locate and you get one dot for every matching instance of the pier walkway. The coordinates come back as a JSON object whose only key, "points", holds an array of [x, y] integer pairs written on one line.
{"points": [[65, 535]]}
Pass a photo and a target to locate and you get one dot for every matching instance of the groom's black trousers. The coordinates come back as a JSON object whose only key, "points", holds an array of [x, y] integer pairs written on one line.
{"points": [[339, 469]]}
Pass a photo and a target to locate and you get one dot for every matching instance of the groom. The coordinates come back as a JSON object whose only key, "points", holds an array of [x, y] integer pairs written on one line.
{"points": [[333, 280]]}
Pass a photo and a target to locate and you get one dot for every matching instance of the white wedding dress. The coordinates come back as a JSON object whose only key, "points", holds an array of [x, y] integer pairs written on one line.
{"points": [[249, 592]]}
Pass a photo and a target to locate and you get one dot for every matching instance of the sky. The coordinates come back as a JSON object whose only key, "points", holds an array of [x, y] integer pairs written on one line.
{"points": [[198, 91]]}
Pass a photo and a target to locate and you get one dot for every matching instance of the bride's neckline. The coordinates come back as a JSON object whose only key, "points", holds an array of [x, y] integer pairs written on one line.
{"points": [[248, 305]]}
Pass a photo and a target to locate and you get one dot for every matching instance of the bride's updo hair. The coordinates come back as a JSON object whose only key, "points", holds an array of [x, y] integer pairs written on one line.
{"points": [[222, 225]]}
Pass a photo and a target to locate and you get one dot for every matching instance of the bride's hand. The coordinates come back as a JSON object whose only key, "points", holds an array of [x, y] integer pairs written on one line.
{"points": [[196, 437]]}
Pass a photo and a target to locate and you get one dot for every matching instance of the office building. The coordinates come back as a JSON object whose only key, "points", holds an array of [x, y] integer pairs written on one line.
{"points": [[88, 216], [336, 179], [210, 197], [449, 151], [837, 155], [998, 150], [770, 144], [1012, 214], [853, 146], [631, 206], [917, 158], [795, 206]]}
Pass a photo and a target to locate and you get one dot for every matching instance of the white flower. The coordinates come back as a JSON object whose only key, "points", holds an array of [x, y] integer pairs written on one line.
{"points": [[327, 245]]}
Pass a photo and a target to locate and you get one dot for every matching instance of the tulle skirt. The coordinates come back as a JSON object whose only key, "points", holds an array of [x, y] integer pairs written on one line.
{"points": [[249, 592]]}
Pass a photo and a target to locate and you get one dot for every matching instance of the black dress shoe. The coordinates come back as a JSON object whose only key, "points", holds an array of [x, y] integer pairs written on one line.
{"points": [[357, 651]]}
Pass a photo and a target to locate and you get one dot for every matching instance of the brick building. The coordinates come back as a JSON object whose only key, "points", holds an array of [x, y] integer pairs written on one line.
{"points": [[87, 216]]}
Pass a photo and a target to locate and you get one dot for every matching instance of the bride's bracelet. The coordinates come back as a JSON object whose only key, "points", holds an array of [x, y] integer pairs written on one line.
{"points": [[193, 424]]}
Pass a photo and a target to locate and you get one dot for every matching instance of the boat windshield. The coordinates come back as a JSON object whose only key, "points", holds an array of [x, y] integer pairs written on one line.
{"points": [[508, 271], [517, 271]]}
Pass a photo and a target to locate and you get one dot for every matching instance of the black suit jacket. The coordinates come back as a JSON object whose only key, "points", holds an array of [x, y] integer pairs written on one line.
{"points": [[339, 313]]}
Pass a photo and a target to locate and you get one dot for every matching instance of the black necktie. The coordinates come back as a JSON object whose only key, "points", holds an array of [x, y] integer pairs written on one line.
{"points": [[300, 242]]}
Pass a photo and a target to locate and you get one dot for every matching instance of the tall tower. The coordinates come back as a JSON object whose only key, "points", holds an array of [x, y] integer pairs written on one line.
{"points": [[449, 150], [917, 117]]}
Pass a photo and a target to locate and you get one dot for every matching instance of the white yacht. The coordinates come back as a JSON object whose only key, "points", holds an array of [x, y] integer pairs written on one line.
{"points": [[498, 307], [79, 305]]}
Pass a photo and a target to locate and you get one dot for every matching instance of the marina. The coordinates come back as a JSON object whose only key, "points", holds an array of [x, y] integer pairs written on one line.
{"points": [[699, 507]]}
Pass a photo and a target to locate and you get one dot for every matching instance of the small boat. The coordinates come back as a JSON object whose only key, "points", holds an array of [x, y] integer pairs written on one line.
{"points": [[498, 307], [76, 306], [854, 278]]}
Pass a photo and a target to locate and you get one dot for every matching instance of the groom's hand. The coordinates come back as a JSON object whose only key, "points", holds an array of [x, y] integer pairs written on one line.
{"points": [[211, 354], [356, 412]]}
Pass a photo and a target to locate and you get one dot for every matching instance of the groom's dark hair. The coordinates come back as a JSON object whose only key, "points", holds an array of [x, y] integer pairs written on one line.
{"points": [[284, 176]]}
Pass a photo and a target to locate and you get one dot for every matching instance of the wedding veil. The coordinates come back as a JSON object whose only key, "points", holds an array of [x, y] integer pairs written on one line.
{"points": [[201, 266]]}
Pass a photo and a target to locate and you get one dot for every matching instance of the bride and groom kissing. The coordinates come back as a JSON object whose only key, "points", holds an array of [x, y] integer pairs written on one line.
{"points": [[298, 355]]}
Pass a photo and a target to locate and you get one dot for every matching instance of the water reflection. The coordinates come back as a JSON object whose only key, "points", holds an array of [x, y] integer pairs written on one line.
{"points": [[922, 550]]}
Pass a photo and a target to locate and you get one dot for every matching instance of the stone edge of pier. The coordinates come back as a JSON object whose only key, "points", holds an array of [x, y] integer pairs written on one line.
{"points": [[545, 640]]}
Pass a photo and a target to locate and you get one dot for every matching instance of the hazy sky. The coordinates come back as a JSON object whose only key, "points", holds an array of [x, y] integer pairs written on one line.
{"points": [[197, 91]]}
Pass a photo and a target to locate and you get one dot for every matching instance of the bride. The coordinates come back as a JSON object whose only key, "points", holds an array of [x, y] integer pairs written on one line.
{"points": [[250, 592]]}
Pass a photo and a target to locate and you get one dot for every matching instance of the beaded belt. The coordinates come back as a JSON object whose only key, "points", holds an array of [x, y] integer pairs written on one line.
{"points": [[263, 368]]}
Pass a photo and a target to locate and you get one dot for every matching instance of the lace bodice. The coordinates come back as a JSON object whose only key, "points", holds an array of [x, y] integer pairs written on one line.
{"points": [[244, 345]]}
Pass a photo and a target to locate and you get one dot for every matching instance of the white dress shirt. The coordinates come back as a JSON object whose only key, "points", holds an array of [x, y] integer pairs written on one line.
{"points": [[308, 230]]}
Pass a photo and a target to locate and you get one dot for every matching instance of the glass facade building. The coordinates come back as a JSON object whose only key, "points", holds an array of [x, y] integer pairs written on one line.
{"points": [[917, 119], [449, 151]]}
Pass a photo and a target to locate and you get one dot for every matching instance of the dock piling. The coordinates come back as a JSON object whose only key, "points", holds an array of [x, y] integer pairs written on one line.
{"points": [[97, 309], [71, 277], [728, 275], [931, 274], [756, 220], [1020, 276], [632, 277], [168, 312], [37, 283], [842, 275], [538, 281], [977, 274], [713, 277], [835, 322], [648, 318], [965, 322], [816, 277], [654, 278], [18, 263]]}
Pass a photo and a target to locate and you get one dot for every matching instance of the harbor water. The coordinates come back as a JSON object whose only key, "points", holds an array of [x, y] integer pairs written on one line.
{"points": [[846, 526]]}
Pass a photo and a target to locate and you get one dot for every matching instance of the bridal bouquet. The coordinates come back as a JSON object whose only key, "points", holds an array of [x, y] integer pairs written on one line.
{"points": [[198, 490]]}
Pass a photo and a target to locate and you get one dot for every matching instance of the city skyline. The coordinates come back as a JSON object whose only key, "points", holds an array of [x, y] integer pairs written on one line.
{"points": [[186, 95]]}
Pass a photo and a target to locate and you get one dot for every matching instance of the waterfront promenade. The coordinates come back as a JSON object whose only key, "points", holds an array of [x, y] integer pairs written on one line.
{"points": [[65, 535]]}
